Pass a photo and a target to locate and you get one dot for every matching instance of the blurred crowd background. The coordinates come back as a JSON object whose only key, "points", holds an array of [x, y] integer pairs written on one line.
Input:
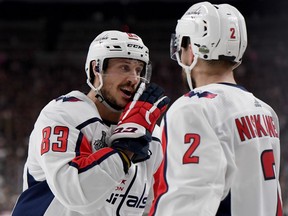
{"points": [[43, 47]]}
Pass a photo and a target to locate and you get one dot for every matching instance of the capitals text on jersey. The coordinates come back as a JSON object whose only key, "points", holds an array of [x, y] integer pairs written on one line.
{"points": [[132, 201]]}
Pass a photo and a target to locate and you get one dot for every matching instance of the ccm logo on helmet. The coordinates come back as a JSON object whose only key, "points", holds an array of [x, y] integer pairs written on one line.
{"points": [[135, 46]]}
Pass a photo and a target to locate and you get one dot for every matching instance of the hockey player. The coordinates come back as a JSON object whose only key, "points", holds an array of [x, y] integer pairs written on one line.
{"points": [[221, 143], [96, 154]]}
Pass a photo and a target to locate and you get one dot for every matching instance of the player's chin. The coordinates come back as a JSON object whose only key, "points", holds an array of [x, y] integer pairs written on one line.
{"points": [[123, 102]]}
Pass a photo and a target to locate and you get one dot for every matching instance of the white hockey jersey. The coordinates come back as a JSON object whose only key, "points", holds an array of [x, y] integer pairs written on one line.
{"points": [[70, 170], [221, 155]]}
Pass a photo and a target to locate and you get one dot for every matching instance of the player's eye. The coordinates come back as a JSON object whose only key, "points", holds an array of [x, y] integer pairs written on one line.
{"points": [[124, 68]]}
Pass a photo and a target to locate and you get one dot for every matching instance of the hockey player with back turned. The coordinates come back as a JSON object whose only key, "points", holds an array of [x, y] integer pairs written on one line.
{"points": [[221, 143]]}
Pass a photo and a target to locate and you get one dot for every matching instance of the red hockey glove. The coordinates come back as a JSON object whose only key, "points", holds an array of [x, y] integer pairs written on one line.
{"points": [[133, 132]]}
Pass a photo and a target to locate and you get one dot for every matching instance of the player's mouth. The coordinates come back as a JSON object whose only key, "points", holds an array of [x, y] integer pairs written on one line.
{"points": [[127, 93]]}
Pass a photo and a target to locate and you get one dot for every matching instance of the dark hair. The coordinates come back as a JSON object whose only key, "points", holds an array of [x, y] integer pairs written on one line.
{"points": [[185, 42]]}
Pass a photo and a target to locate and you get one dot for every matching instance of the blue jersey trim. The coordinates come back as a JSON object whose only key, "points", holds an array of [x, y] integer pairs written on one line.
{"points": [[225, 206], [35, 200]]}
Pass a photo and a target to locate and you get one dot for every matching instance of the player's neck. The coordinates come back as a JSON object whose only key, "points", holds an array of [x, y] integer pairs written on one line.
{"points": [[213, 79], [105, 113], [203, 78]]}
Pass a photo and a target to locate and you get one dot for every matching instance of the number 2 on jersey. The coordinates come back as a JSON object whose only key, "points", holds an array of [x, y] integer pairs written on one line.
{"points": [[194, 141]]}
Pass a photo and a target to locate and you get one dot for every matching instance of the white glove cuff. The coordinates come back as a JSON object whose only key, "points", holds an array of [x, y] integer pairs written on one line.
{"points": [[127, 130]]}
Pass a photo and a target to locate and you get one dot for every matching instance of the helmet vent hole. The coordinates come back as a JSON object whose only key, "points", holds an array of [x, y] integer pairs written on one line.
{"points": [[205, 56], [129, 53]]}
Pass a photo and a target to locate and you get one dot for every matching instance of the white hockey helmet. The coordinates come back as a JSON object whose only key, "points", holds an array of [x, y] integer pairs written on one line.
{"points": [[116, 44], [216, 32]]}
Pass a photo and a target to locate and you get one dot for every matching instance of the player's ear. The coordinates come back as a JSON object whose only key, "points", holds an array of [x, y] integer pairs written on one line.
{"points": [[94, 73], [191, 52], [94, 67]]}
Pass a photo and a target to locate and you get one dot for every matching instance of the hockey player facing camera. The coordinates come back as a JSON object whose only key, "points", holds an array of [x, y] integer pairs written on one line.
{"points": [[221, 143], [96, 153]]}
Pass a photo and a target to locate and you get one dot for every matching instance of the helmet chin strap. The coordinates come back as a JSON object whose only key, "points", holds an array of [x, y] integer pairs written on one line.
{"points": [[99, 95], [187, 69], [101, 98]]}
